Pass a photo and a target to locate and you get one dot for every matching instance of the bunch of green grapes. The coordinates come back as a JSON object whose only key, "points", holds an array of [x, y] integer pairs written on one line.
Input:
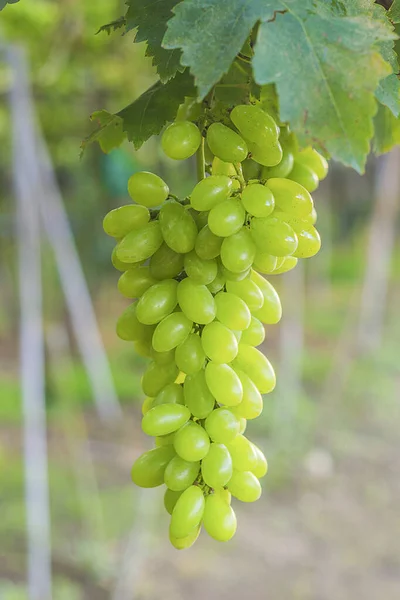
{"points": [[193, 269]]}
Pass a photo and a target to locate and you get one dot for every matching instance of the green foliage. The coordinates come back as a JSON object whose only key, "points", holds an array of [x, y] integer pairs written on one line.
{"points": [[394, 12], [113, 26], [109, 133], [387, 131], [3, 3]]}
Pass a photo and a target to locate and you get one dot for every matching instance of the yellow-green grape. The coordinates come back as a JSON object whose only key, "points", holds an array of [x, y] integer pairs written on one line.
{"points": [[273, 236], [148, 470], [242, 425], [309, 243], [143, 348], [157, 302], [226, 218], [170, 499], [119, 264], [218, 283], [231, 276], [171, 331], [196, 301], [244, 486], [282, 169], [164, 419], [251, 169], [314, 160], [164, 440], [208, 245], [264, 262], [257, 367], [219, 519], [135, 282], [188, 512], [191, 442], [254, 124], [130, 329], [156, 377], [290, 196], [254, 335], [210, 191], [219, 167], [190, 110], [200, 218], [238, 251], [219, 343], [312, 217], [243, 455], [189, 355], [163, 358], [200, 270], [198, 397], [165, 263], [258, 200], [267, 155], [180, 474], [170, 394], [147, 405], [147, 189], [225, 494], [288, 264], [226, 144], [232, 311], [216, 467], [261, 467], [296, 223], [140, 244], [181, 140], [177, 226], [183, 543], [304, 175], [222, 425], [252, 404], [120, 221], [224, 384], [248, 291], [271, 310]]}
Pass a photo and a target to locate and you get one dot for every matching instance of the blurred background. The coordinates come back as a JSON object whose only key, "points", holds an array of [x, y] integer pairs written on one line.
{"points": [[328, 524]]}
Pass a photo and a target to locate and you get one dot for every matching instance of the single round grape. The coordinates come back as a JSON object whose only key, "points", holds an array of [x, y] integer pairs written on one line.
{"points": [[231, 276], [191, 442], [232, 311], [243, 455], [219, 343], [147, 189], [216, 467], [177, 226], [309, 243], [218, 283], [164, 419], [164, 440], [248, 291], [254, 335], [147, 405], [189, 355], [143, 348], [222, 425], [224, 384], [210, 191], [130, 329], [267, 155], [226, 143], [296, 223], [244, 486], [133, 283], [219, 519], [261, 467], [219, 167], [163, 358], [119, 264], [196, 301], [190, 110], [200, 218], [254, 124], [282, 169], [148, 469], [208, 245], [251, 169], [165, 263], [273, 236], [140, 244], [181, 140], [200, 270], [314, 160], [198, 397], [120, 221], [156, 377], [226, 218], [180, 474], [252, 404], [170, 499], [305, 176], [288, 264], [171, 331], [188, 512], [182, 543], [225, 494], [257, 367], [264, 262], [290, 196], [238, 251], [258, 200], [157, 302], [170, 394], [271, 310]]}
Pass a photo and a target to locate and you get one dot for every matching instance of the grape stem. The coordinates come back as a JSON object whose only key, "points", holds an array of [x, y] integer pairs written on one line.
{"points": [[200, 161], [239, 171]]}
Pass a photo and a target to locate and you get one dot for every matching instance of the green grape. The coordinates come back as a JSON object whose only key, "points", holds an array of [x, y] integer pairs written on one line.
{"points": [[225, 494], [180, 474], [119, 264], [170, 394], [148, 469], [296, 223], [164, 440], [147, 189], [237, 334], [305, 176], [196, 301], [254, 335], [314, 160], [182, 543], [243, 455], [191, 442], [208, 245], [189, 355], [267, 155], [226, 218], [198, 397], [232, 311], [170, 499], [120, 221], [222, 425], [219, 167], [282, 169], [248, 291], [271, 310], [244, 486], [200, 270], [156, 377], [273, 236], [165, 263], [164, 419], [147, 405], [216, 467], [254, 124], [238, 251], [242, 424], [219, 342], [257, 367], [309, 243], [226, 143], [143, 348], [130, 329], [258, 200], [252, 404], [200, 218], [290, 196], [264, 262], [261, 467], [219, 519], [218, 283], [163, 358], [210, 191], [288, 264], [224, 384], [188, 512], [190, 110], [140, 244], [133, 283], [171, 331], [177, 226], [251, 169], [231, 276], [181, 140], [157, 302], [312, 217]]}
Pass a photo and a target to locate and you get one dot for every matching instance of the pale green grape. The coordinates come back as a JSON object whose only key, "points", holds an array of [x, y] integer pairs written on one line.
{"points": [[143, 348], [226, 218], [288, 264], [238, 251], [198, 397], [165, 263], [305, 176], [257, 367], [178, 227], [210, 191], [271, 310], [258, 200], [243, 455], [219, 519], [309, 243], [242, 424], [181, 140], [140, 244], [120, 221], [133, 283], [164, 419], [251, 169], [187, 512], [219, 342], [189, 355], [267, 155], [147, 405], [226, 144], [216, 467], [315, 161], [219, 167], [157, 302], [130, 329], [191, 442], [148, 470], [208, 245], [200, 270], [218, 283], [196, 301], [180, 474], [163, 358], [231, 276], [170, 499], [224, 384], [222, 425], [290, 196], [119, 264], [190, 110], [261, 467], [248, 291], [264, 262], [171, 331], [147, 189], [182, 543], [170, 394], [296, 223], [244, 486], [232, 311], [273, 236], [254, 124], [252, 404], [200, 218], [282, 169], [254, 335], [164, 440], [156, 377]]}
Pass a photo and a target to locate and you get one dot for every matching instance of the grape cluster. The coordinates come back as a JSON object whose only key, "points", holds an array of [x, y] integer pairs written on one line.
{"points": [[194, 269]]}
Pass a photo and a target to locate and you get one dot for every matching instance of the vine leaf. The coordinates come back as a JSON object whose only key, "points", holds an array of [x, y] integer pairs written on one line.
{"points": [[394, 12], [109, 133], [3, 3], [113, 26], [387, 131], [326, 69], [150, 18]]}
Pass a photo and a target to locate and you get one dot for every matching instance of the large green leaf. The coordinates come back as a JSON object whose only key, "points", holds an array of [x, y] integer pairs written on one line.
{"points": [[4, 3], [326, 69], [109, 133], [212, 32], [387, 131], [394, 12], [150, 18]]}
